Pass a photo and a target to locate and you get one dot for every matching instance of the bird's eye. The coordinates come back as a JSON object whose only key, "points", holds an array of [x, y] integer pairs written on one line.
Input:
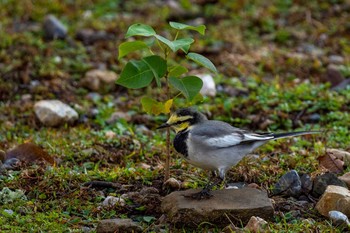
{"points": [[180, 122]]}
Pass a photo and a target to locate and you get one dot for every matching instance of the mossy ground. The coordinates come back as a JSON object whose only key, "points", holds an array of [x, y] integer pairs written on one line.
{"points": [[272, 58]]}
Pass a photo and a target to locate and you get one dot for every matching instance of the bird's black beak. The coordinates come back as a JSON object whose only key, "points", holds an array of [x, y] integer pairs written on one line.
{"points": [[165, 125]]}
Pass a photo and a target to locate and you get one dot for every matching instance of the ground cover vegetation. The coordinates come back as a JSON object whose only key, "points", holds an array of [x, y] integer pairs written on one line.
{"points": [[279, 66]]}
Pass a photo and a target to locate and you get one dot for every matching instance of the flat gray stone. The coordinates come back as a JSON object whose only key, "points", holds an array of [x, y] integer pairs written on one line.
{"points": [[118, 225], [236, 205]]}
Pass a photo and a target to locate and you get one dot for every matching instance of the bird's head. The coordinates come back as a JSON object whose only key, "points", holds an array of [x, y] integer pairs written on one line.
{"points": [[184, 118]]}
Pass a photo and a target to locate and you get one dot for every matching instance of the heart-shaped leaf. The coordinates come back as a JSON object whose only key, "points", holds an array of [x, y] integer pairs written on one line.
{"points": [[201, 60], [157, 65], [140, 29], [189, 86], [181, 26], [131, 46], [139, 74], [136, 74]]}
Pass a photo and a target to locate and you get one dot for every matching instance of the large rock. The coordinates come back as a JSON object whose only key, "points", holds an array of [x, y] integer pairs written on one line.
{"points": [[117, 225], [237, 205], [334, 198], [54, 112]]}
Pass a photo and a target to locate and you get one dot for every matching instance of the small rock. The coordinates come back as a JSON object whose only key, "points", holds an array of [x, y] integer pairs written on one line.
{"points": [[94, 96], [53, 28], [321, 182], [314, 118], [11, 163], [334, 198], [8, 211], [172, 183], [338, 218], [306, 183], [311, 49], [54, 112], [341, 86], [240, 203], [118, 225], [345, 178], [288, 185], [333, 75], [117, 116], [111, 201], [336, 59], [89, 36], [28, 153], [236, 185], [256, 225], [110, 134], [208, 88], [26, 97], [99, 80]]}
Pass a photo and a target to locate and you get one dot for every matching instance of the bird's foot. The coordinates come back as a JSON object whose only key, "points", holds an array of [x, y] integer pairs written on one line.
{"points": [[204, 194]]}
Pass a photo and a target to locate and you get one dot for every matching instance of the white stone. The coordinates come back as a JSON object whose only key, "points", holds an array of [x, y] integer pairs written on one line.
{"points": [[54, 112], [338, 217], [111, 201], [209, 88], [334, 198]]}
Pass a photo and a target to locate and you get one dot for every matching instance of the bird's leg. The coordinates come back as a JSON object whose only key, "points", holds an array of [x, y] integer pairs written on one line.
{"points": [[205, 192]]}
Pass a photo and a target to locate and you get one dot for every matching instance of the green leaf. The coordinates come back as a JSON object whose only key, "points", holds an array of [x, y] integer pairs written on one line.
{"points": [[148, 219], [181, 26], [177, 71], [183, 44], [166, 41], [139, 74], [157, 65], [139, 29], [189, 86], [201, 60], [131, 46], [152, 106], [136, 74]]}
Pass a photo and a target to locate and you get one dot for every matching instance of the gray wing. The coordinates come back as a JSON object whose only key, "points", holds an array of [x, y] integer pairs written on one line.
{"points": [[221, 134]]}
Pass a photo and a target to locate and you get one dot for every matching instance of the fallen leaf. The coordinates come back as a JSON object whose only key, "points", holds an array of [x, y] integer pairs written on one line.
{"points": [[331, 163], [340, 154]]}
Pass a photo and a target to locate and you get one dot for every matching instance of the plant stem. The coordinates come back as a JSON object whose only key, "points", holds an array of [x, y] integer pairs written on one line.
{"points": [[167, 159]]}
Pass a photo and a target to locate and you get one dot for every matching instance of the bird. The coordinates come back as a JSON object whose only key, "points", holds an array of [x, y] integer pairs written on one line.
{"points": [[215, 145]]}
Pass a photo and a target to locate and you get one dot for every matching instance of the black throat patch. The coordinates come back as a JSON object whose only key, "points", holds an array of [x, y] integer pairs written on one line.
{"points": [[180, 144]]}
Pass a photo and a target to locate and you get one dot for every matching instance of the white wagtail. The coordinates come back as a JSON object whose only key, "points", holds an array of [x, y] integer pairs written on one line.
{"points": [[215, 145]]}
